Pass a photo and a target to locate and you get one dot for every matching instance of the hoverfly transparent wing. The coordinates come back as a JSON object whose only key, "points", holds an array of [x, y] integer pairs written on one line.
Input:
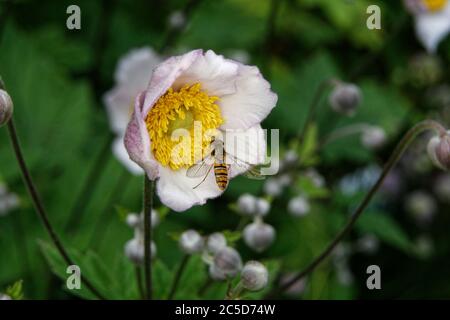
{"points": [[200, 168], [251, 171]]}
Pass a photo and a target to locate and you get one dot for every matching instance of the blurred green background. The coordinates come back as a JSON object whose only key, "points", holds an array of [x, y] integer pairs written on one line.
{"points": [[57, 78]]}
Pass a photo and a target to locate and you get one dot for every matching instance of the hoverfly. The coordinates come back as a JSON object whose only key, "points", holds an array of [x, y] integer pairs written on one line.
{"points": [[217, 159]]}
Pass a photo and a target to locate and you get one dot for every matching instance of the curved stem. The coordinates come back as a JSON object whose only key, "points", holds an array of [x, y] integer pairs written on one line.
{"points": [[177, 278], [148, 203], [394, 158], [344, 132], [38, 203]]}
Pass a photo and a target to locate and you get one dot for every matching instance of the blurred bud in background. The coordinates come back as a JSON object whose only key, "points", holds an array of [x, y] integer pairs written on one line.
{"points": [[442, 187], [6, 107], [4, 297], [373, 137], [215, 242], [8, 200], [228, 262], [345, 98], [135, 250], [425, 70], [424, 246], [368, 244], [249, 205], [177, 20], [254, 276], [298, 206], [421, 206], [191, 242], [273, 187], [259, 235]]}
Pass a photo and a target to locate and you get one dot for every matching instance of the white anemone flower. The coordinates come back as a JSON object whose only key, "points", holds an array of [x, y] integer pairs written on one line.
{"points": [[432, 21], [196, 94], [132, 76]]}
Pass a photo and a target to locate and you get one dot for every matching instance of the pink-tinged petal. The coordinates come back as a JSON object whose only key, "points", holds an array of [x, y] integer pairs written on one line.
{"points": [[176, 190], [165, 75], [216, 74], [251, 103], [246, 148], [121, 154], [137, 141]]}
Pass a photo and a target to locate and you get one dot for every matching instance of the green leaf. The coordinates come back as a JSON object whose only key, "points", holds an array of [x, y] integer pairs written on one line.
{"points": [[15, 291], [386, 229]]}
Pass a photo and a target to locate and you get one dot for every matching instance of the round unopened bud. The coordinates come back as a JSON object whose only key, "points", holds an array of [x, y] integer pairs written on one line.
{"points": [[228, 261], [262, 207], [421, 206], [442, 187], [373, 137], [6, 107], [133, 220], [254, 276], [368, 244], [155, 218], [439, 151], [298, 206], [191, 242], [216, 242], [4, 297], [273, 187], [134, 250], [290, 158], [259, 235], [345, 98], [246, 204], [177, 20], [215, 273]]}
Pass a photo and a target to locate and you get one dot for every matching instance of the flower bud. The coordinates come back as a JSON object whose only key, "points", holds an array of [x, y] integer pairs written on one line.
{"points": [[228, 261], [272, 187], [439, 151], [298, 206], [254, 276], [4, 297], [290, 158], [177, 20], [191, 242], [6, 107], [246, 204], [373, 137], [216, 242], [133, 220], [421, 206], [134, 250], [442, 187], [368, 244], [262, 207], [259, 236], [215, 273], [345, 98]]}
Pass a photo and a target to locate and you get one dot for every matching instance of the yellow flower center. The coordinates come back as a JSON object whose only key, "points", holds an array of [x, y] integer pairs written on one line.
{"points": [[180, 125], [434, 5]]}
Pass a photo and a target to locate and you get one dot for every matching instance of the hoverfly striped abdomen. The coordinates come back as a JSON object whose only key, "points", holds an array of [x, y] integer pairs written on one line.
{"points": [[221, 174]]}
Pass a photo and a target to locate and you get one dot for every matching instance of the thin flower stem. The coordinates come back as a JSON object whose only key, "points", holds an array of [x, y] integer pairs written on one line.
{"points": [[177, 278], [148, 203], [344, 132], [312, 109], [394, 158], [138, 272], [38, 203]]}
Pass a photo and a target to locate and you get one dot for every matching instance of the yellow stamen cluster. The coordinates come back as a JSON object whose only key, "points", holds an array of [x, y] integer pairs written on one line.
{"points": [[434, 5], [190, 109]]}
